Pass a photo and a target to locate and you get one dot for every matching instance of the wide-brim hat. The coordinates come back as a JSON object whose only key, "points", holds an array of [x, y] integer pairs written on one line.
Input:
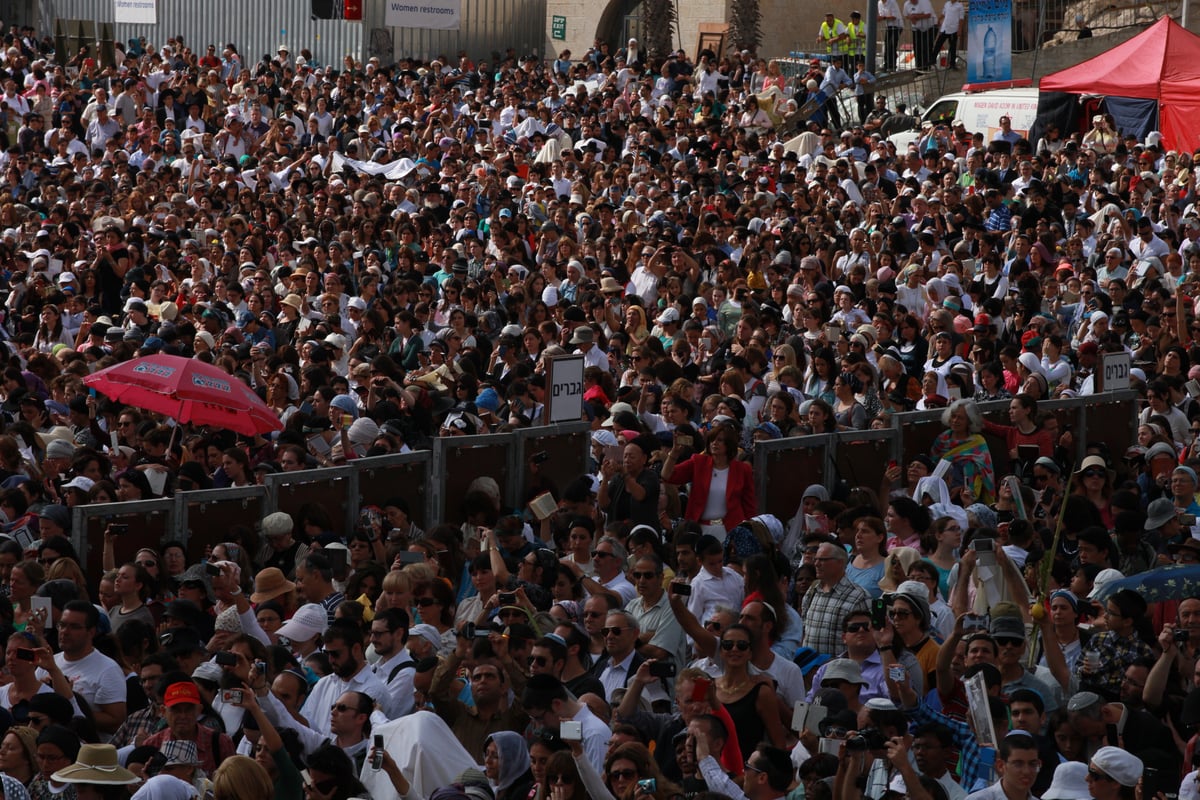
{"points": [[96, 763], [269, 584]]}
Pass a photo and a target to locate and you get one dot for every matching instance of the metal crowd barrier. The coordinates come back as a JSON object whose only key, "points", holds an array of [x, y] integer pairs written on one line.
{"points": [[432, 483], [784, 467]]}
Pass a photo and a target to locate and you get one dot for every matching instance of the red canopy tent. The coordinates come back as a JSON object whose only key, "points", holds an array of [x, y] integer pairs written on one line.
{"points": [[1161, 63]]}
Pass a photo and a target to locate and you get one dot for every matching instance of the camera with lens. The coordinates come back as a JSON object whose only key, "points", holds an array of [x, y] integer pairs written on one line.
{"points": [[867, 739], [1182, 636]]}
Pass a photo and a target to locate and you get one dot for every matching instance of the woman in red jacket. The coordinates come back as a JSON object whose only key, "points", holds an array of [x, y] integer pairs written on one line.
{"points": [[722, 494]]}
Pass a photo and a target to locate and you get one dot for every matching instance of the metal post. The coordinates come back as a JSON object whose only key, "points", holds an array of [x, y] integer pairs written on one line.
{"points": [[873, 33]]}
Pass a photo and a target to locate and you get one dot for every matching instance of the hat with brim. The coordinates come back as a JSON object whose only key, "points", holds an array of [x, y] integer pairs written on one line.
{"points": [[180, 753], [1092, 462], [1070, 782], [843, 669], [1190, 545], [269, 584], [1159, 513], [96, 763]]}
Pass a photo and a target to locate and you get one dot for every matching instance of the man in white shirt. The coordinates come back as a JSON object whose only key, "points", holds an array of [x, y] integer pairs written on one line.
{"points": [[344, 646], [85, 670], [952, 20], [549, 704], [923, 22], [715, 584], [584, 339], [389, 635]]}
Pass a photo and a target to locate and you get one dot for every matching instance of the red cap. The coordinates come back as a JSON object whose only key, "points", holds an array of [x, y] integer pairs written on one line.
{"points": [[983, 319], [181, 692]]}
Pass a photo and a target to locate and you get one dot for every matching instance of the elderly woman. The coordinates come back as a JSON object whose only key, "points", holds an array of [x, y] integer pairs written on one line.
{"points": [[964, 446]]}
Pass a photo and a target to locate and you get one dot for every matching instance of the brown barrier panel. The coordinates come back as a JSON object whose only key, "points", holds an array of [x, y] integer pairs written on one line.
{"points": [[997, 445], [1111, 423], [862, 464], [145, 530], [330, 495], [463, 465], [409, 481], [565, 462], [789, 473], [210, 522], [917, 438]]}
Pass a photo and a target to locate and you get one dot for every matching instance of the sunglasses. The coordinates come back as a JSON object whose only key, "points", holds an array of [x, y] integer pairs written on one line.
{"points": [[623, 774], [712, 625], [1093, 473], [647, 575], [899, 613], [426, 602], [735, 644], [603, 554], [858, 627], [324, 787], [562, 777], [614, 631], [1097, 775], [343, 708]]}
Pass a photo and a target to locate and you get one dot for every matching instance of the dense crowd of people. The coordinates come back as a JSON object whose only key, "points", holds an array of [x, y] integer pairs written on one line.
{"points": [[392, 253]]}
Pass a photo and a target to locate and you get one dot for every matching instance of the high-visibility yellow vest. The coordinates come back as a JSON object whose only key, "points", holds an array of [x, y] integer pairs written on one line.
{"points": [[828, 32], [856, 43]]}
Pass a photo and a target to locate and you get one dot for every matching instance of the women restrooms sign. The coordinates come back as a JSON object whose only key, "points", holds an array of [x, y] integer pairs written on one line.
{"points": [[136, 12], [441, 15]]}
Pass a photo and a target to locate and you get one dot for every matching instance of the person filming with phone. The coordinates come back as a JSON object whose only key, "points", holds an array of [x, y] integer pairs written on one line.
{"points": [[722, 495]]}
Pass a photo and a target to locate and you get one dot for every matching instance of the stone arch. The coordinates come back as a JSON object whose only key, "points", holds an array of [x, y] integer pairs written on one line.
{"points": [[611, 27]]}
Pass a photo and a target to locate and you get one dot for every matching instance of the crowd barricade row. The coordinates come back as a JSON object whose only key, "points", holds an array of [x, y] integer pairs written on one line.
{"points": [[783, 468], [434, 482]]}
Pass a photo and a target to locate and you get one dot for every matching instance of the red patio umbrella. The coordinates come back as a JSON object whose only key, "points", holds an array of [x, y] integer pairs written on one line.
{"points": [[187, 390]]}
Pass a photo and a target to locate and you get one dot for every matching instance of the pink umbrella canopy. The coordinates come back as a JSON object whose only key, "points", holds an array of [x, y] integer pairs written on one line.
{"points": [[188, 391]]}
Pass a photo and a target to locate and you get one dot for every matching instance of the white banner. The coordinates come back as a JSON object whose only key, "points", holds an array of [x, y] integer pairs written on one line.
{"points": [[136, 12], [439, 15]]}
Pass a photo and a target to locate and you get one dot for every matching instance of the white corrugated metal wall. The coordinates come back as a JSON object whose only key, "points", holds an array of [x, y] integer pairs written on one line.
{"points": [[257, 27], [488, 26]]}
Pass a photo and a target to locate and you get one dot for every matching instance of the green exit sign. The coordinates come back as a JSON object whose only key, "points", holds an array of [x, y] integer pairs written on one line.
{"points": [[558, 27]]}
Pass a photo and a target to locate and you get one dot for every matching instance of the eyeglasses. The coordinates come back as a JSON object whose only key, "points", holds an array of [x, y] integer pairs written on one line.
{"points": [[899, 613], [858, 627], [1093, 473], [538, 661], [1097, 775], [740, 645], [750, 766], [614, 631], [425, 602], [623, 774], [713, 625], [637, 576], [603, 554], [560, 777], [343, 708]]}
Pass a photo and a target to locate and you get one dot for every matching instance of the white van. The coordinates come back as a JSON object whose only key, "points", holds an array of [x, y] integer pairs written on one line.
{"points": [[980, 112]]}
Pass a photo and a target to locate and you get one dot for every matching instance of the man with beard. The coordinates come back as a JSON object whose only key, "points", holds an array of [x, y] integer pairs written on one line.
{"points": [[344, 646]]}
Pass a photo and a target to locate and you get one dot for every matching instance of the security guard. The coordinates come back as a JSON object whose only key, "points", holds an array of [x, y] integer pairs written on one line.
{"points": [[855, 45], [832, 36]]}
